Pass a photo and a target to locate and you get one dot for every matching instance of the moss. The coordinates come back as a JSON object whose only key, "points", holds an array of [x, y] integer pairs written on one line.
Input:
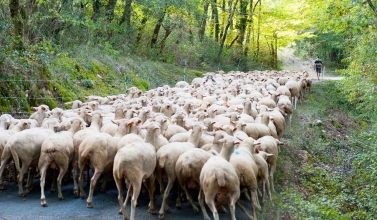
{"points": [[196, 73], [141, 84], [66, 95]]}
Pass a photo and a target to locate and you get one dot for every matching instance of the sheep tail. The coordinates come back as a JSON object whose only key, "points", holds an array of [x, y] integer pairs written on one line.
{"points": [[220, 177], [15, 158], [162, 160]]}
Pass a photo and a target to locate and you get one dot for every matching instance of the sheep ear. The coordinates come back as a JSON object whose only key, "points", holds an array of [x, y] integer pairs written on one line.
{"points": [[237, 141], [257, 142], [222, 140], [25, 123], [280, 143], [115, 121], [234, 129], [34, 108], [256, 150], [269, 155]]}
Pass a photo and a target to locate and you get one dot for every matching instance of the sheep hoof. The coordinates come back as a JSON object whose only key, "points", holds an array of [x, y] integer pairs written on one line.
{"points": [[1, 187], [161, 216], [103, 189], [195, 209], [120, 212], [89, 204], [83, 195], [178, 206], [61, 197], [76, 193], [21, 194], [44, 203], [53, 189], [152, 211]]}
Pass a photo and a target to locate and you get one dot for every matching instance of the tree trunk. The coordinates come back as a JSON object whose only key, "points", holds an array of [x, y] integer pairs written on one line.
{"points": [[96, 10], [163, 41], [203, 23], [110, 10], [157, 29], [215, 15], [242, 23], [126, 17], [226, 29], [370, 3], [258, 29], [14, 7], [141, 28]]}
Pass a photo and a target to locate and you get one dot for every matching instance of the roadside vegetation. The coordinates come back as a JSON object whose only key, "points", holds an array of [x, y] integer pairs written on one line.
{"points": [[327, 167]]}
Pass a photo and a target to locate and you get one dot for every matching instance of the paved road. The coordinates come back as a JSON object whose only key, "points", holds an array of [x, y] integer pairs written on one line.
{"points": [[105, 205]]}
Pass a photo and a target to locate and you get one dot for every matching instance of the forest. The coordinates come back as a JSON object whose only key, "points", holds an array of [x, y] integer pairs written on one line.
{"points": [[53, 52]]}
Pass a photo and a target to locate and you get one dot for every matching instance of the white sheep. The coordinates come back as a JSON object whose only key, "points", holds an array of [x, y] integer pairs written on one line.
{"points": [[219, 182], [57, 152]]}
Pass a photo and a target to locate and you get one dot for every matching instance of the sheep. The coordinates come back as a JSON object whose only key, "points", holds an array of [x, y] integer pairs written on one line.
{"points": [[50, 123], [154, 136], [270, 145], [215, 145], [75, 104], [135, 162], [24, 146], [247, 171], [57, 152], [187, 169], [285, 106], [255, 130], [40, 113], [219, 182], [295, 89], [5, 121], [96, 123], [98, 152], [167, 157]]}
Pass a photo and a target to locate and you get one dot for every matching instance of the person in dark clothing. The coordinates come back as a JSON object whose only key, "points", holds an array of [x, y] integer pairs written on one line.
{"points": [[318, 66]]}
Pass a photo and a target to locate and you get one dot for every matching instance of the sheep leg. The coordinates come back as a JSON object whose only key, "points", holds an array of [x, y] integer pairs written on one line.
{"points": [[242, 207], [106, 177], [53, 184], [232, 207], [93, 182], [31, 175], [267, 184], [119, 184], [129, 192], [273, 169], [159, 179], [74, 174], [63, 169], [164, 205], [135, 195], [178, 203], [210, 200], [256, 200], [4, 161], [201, 203], [81, 179], [253, 202], [151, 189], [42, 170], [189, 198], [20, 178]]}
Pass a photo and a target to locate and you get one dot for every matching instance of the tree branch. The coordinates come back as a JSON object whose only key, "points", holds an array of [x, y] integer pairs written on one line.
{"points": [[372, 7]]}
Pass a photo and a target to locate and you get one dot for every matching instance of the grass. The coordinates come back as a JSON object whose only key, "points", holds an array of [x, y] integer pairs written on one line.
{"points": [[323, 162]]}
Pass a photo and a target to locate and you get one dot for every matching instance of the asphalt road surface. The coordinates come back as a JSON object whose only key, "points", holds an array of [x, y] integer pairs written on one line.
{"points": [[105, 205]]}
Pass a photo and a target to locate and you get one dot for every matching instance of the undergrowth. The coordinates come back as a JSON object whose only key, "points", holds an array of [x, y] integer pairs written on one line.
{"points": [[327, 167]]}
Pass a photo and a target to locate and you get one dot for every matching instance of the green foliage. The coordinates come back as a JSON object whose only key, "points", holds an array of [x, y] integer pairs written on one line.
{"points": [[87, 83], [336, 181]]}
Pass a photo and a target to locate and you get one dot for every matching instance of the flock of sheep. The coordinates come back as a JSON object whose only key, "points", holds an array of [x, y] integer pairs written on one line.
{"points": [[218, 135]]}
